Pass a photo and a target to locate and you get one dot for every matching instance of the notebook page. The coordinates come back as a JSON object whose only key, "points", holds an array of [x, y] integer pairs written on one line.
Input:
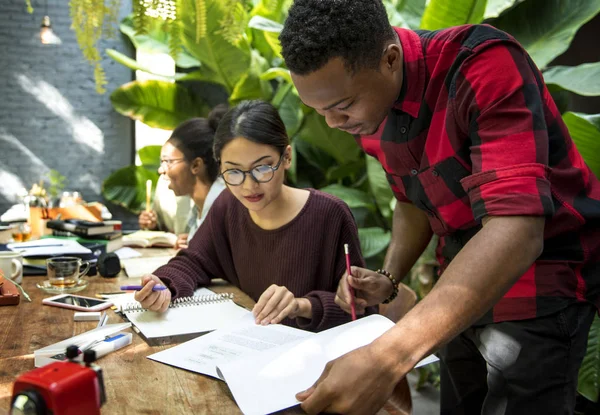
{"points": [[188, 318], [138, 267], [270, 380], [241, 340]]}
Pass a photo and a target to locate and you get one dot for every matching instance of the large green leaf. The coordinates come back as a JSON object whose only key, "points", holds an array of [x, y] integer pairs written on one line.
{"points": [[267, 41], [287, 102], [582, 80], [338, 144], [158, 104], [589, 373], [405, 13], [150, 157], [379, 186], [585, 132], [314, 155], [228, 62], [155, 40], [251, 85], [127, 187], [494, 8], [440, 14], [353, 197], [133, 64], [546, 27], [269, 30], [373, 241]]}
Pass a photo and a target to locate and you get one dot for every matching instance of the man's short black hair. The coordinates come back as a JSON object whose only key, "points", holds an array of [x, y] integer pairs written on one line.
{"points": [[319, 30]]}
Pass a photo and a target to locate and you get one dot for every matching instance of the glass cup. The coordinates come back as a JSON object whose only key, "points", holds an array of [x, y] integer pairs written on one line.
{"points": [[63, 271]]}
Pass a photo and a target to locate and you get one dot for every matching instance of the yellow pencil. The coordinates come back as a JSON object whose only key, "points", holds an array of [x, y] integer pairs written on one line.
{"points": [[148, 194]]}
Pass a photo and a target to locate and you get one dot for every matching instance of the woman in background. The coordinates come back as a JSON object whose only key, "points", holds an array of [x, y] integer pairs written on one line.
{"points": [[280, 245], [188, 166]]}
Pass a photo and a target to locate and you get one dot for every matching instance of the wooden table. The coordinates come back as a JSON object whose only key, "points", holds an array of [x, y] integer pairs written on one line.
{"points": [[133, 383]]}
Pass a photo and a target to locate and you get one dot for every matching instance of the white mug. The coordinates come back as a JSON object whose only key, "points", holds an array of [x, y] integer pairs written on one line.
{"points": [[11, 266]]}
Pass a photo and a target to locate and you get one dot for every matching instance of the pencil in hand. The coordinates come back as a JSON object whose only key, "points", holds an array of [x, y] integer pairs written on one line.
{"points": [[350, 289]]}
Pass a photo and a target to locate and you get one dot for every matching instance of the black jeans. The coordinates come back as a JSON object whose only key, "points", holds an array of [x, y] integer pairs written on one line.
{"points": [[516, 367]]}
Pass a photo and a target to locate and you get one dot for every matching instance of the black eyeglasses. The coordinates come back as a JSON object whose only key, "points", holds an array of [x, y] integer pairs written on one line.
{"points": [[260, 174]]}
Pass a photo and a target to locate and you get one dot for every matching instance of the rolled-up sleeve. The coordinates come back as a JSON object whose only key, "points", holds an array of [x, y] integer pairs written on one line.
{"points": [[509, 138]]}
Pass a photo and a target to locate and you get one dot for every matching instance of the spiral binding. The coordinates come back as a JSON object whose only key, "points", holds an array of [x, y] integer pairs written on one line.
{"points": [[183, 302]]}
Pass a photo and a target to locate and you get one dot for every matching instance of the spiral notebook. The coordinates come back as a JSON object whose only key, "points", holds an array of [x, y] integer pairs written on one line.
{"points": [[203, 312]]}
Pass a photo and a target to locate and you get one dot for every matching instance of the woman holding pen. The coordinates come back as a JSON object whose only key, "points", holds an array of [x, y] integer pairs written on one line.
{"points": [[282, 246], [188, 166]]}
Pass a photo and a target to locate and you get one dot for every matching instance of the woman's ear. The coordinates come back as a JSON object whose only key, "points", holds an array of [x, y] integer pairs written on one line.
{"points": [[287, 157], [197, 166]]}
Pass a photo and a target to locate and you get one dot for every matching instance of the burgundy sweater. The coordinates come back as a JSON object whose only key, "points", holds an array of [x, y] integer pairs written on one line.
{"points": [[305, 255]]}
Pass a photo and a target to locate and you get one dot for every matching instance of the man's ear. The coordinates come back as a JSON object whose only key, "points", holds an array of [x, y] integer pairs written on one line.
{"points": [[392, 58], [197, 166]]}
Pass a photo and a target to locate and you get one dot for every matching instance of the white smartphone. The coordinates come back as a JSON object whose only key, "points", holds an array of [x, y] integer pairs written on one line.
{"points": [[77, 302]]}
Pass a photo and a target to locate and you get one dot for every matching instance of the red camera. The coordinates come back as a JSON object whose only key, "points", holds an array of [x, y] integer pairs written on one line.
{"points": [[61, 388]]}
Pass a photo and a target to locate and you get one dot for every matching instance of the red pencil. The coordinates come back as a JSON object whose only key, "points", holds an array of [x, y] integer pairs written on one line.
{"points": [[352, 306]]}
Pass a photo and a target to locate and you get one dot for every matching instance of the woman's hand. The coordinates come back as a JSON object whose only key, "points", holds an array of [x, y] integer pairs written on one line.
{"points": [[153, 300], [277, 303], [181, 241], [148, 220]]}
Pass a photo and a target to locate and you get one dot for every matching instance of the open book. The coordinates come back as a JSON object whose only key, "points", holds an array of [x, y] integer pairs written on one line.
{"points": [[205, 311], [265, 366], [146, 239]]}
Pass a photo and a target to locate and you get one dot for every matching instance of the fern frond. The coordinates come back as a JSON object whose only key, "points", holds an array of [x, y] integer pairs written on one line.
{"points": [[175, 42], [234, 23], [100, 78], [201, 25], [139, 17]]}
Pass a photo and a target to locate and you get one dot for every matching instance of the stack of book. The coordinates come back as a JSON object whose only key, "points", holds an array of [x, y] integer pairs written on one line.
{"points": [[104, 236]]}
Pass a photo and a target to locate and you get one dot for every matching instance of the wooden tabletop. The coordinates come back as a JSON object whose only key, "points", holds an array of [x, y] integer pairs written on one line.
{"points": [[133, 383]]}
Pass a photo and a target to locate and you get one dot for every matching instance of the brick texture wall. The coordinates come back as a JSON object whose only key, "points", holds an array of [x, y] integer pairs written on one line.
{"points": [[50, 114]]}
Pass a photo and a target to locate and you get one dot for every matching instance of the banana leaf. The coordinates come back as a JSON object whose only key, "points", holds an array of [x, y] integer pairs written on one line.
{"points": [[340, 145], [373, 241], [440, 14], [582, 79], [546, 27], [585, 132], [251, 85], [134, 65], [405, 13], [150, 157], [380, 188], [589, 372], [495, 8], [353, 197], [127, 187], [158, 104]]}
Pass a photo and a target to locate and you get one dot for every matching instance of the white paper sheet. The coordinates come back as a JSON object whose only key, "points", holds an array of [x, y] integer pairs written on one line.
{"points": [[269, 381], [49, 247], [242, 340]]}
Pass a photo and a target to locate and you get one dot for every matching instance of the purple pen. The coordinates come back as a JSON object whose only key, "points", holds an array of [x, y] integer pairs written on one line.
{"points": [[139, 287]]}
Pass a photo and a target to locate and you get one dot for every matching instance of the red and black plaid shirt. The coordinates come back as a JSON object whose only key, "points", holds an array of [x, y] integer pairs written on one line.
{"points": [[475, 132]]}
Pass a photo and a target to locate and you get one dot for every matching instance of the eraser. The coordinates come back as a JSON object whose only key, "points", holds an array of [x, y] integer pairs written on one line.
{"points": [[87, 316]]}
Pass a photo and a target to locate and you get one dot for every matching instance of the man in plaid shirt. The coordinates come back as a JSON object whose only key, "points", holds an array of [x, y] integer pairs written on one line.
{"points": [[476, 152]]}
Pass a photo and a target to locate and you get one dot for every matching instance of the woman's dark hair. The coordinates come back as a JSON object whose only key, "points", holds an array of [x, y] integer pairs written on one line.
{"points": [[195, 137], [257, 121]]}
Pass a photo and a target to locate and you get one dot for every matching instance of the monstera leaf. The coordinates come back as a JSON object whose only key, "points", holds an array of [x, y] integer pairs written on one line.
{"points": [[158, 104], [582, 80], [546, 27]]}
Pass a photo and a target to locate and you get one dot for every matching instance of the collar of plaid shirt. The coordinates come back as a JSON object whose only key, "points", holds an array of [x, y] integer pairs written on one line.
{"points": [[475, 132]]}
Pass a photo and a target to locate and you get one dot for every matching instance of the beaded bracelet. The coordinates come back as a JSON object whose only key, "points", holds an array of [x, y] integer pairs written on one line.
{"points": [[394, 285]]}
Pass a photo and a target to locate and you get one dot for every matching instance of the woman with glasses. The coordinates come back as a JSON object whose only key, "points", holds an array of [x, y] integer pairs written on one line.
{"points": [[188, 166], [282, 246]]}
